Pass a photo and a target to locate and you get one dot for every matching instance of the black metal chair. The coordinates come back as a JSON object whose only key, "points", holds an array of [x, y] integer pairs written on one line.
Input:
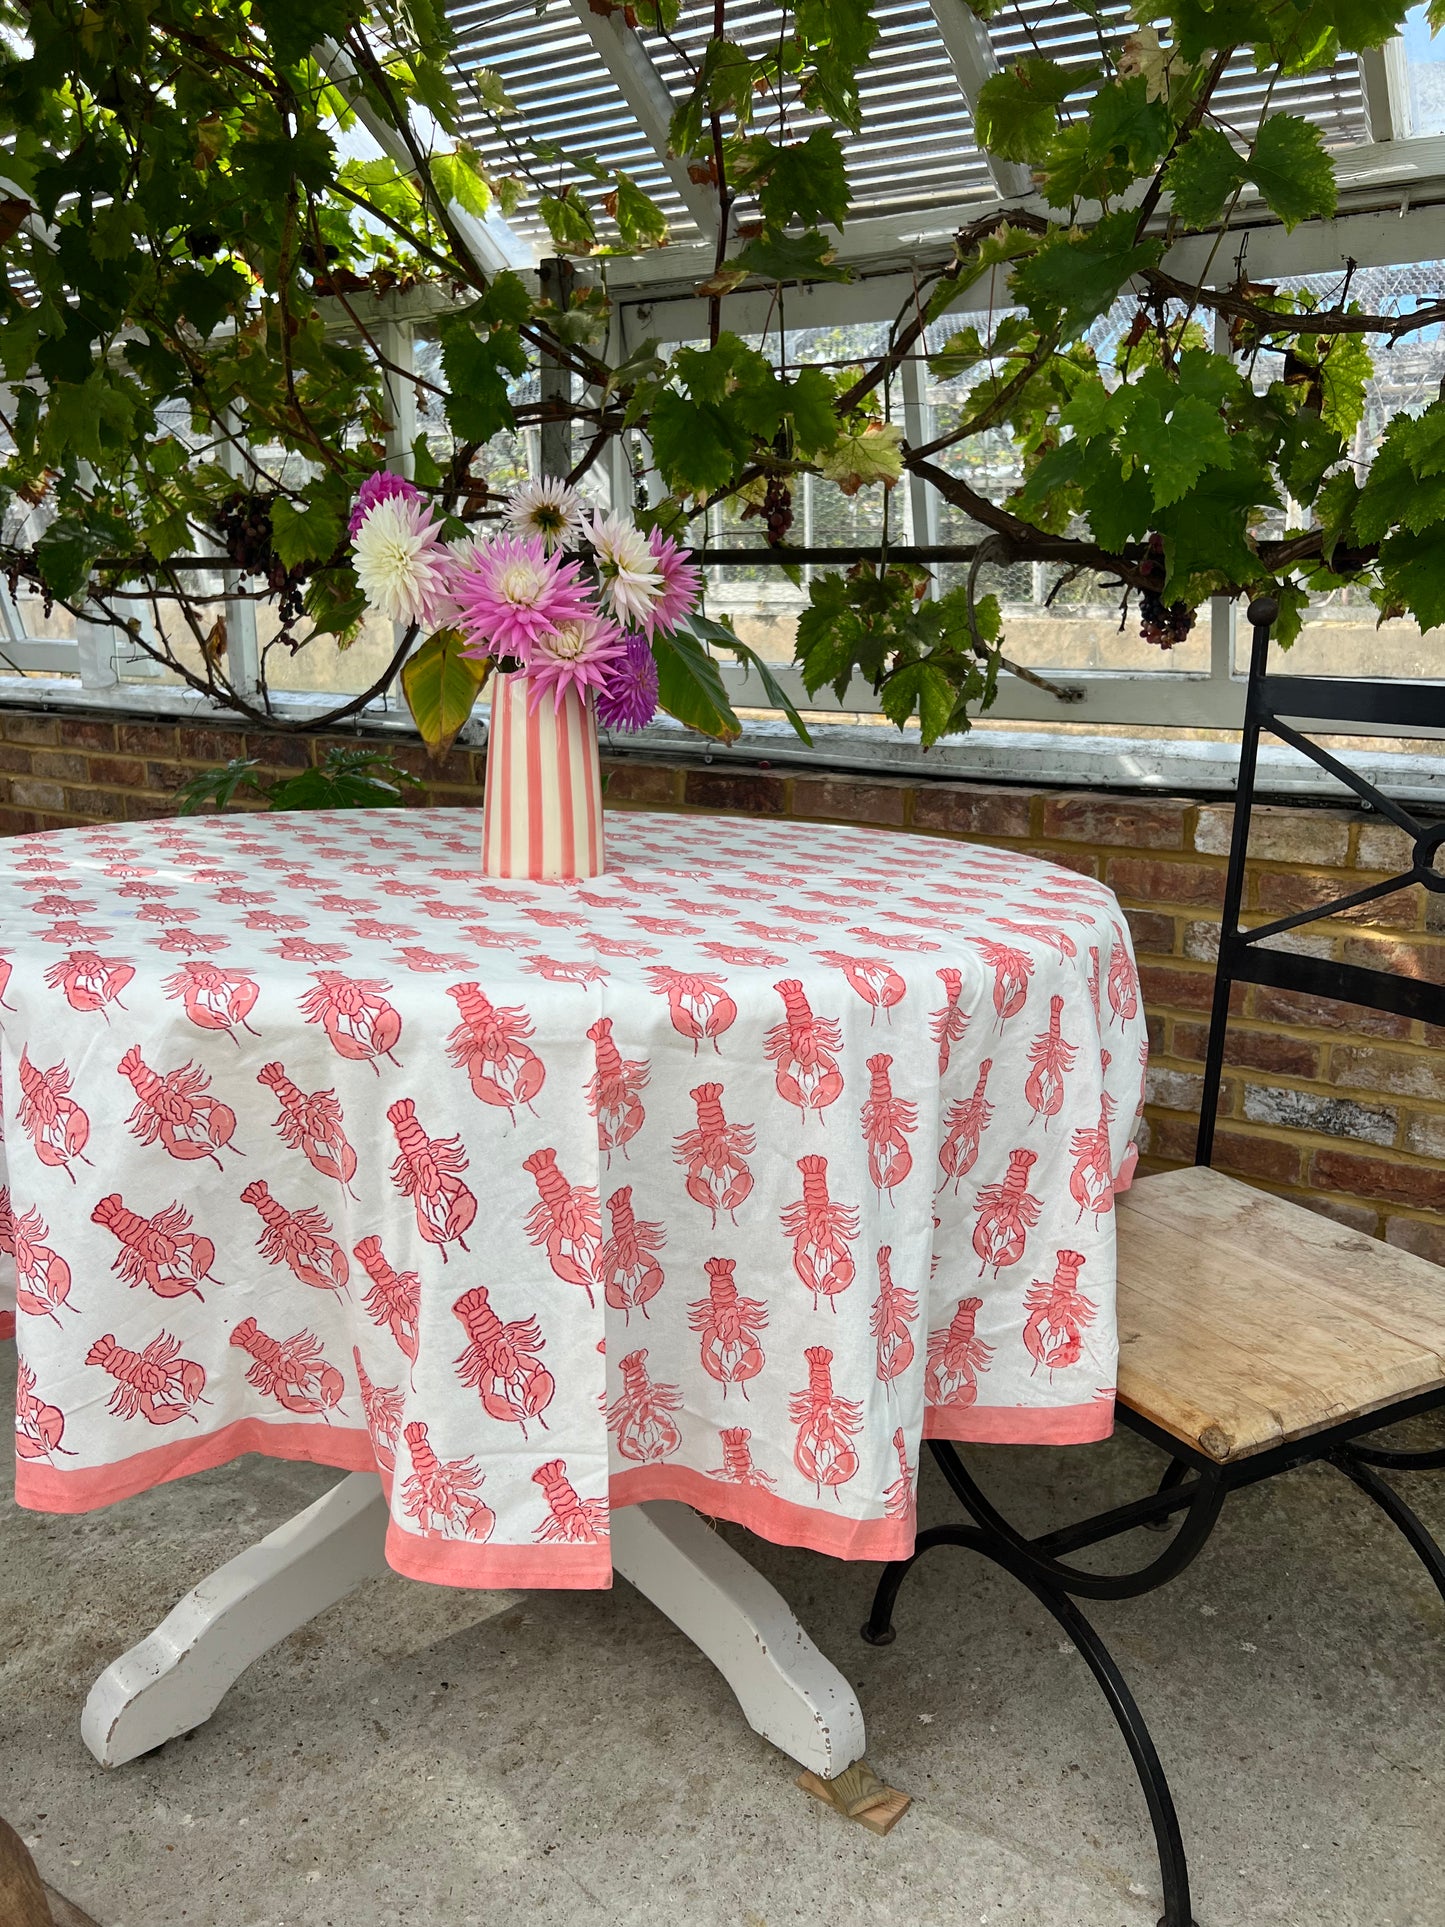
{"points": [[1254, 1335]]}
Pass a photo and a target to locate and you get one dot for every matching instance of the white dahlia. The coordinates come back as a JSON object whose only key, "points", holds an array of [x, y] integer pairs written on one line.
{"points": [[549, 510], [630, 581], [402, 564]]}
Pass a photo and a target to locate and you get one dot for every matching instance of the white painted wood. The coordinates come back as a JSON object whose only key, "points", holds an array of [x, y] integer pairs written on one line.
{"points": [[970, 52], [788, 1691], [177, 1676]]}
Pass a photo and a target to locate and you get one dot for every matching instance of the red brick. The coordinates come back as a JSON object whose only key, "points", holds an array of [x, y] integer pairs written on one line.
{"points": [[1402, 956], [39, 732], [277, 750], [1404, 1073], [1282, 835], [81, 732], [743, 790], [1281, 893], [1260, 1050], [1359, 1217], [13, 758], [32, 794], [1131, 823], [115, 806], [1424, 1236], [972, 809], [1077, 860], [1165, 988], [1323, 1013], [1414, 1184], [146, 739], [640, 785], [1150, 880], [1273, 1158], [61, 765], [848, 801], [121, 772], [16, 822], [1152, 931], [210, 746], [1171, 1137], [165, 777]]}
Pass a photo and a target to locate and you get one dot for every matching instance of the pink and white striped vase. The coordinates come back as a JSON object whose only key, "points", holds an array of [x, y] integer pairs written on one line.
{"points": [[542, 805]]}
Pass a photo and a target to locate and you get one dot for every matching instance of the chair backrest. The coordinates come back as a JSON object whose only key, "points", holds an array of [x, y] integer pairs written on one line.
{"points": [[1342, 706]]}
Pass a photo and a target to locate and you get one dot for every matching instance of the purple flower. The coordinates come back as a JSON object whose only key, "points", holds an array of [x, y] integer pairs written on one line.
{"points": [[377, 488], [628, 698]]}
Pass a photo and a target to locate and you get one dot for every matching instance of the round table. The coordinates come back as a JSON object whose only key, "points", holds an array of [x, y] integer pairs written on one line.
{"points": [[722, 1178]]}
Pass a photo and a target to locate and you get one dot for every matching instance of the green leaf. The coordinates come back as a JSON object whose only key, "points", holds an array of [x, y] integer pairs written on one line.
{"points": [[218, 786], [478, 405], [425, 470], [1412, 569], [1077, 273], [709, 631], [928, 689], [837, 36], [809, 400], [690, 687], [1291, 169], [335, 604], [1308, 450], [790, 257], [1126, 126], [569, 222], [65, 553], [692, 445], [349, 779], [1017, 113], [805, 181], [307, 533], [1202, 176], [1004, 244], [441, 685], [458, 177], [641, 223], [1345, 373]]}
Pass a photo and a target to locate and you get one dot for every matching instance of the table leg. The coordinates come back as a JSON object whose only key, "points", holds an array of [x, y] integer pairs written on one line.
{"points": [[788, 1691], [176, 1677]]}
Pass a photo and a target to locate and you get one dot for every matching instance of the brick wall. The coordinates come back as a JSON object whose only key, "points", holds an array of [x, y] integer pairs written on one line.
{"points": [[1343, 1109]]}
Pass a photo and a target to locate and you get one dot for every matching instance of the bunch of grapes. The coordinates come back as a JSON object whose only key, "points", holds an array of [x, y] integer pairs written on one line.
{"points": [[243, 523], [1162, 623]]}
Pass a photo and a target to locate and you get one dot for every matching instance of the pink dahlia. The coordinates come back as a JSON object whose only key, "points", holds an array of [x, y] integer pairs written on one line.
{"points": [[628, 698], [681, 582], [511, 593], [380, 487], [578, 654]]}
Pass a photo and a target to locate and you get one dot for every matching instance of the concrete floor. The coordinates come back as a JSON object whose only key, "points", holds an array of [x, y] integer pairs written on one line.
{"points": [[423, 1756]]}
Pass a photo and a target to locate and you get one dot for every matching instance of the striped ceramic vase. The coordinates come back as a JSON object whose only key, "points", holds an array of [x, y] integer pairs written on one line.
{"points": [[542, 807]]}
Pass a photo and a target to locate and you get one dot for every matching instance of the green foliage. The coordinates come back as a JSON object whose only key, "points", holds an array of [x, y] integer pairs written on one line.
{"points": [[347, 779], [441, 686]]}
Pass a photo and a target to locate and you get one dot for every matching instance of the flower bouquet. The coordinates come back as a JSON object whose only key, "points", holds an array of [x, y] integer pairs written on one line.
{"points": [[563, 604]]}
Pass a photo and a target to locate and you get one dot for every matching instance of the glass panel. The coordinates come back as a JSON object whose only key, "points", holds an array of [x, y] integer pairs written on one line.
{"points": [[1425, 61]]}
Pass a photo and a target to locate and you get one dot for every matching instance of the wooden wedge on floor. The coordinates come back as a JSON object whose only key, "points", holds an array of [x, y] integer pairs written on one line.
{"points": [[25, 1900], [858, 1794]]}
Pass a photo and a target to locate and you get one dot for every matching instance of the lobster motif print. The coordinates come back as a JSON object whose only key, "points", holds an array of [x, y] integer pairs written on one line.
{"points": [[949, 1024], [1091, 1182], [614, 1091], [898, 1497], [1011, 972], [1052, 1057], [729, 1326], [42, 1276], [826, 1424], [356, 1016], [821, 1231], [501, 1362], [312, 1125], [39, 1427], [570, 1520], [6, 967], [887, 1122], [215, 999], [641, 1414], [162, 1252], [89, 982], [1123, 980], [1057, 1314], [427, 1170], [737, 1466], [873, 978], [294, 1371], [444, 1496], [1007, 1212], [156, 1384], [176, 1110], [491, 1046], [383, 1406], [631, 1275], [965, 1122], [301, 1240], [1095, 989], [567, 1222], [956, 1356], [891, 1320], [56, 1125], [714, 1155], [394, 1297], [698, 1005], [804, 1049]]}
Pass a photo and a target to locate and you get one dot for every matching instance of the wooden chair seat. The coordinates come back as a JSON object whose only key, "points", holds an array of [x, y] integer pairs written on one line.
{"points": [[1246, 1321]]}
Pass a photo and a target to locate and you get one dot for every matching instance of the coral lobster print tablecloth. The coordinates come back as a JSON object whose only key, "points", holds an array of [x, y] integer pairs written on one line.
{"points": [[723, 1178]]}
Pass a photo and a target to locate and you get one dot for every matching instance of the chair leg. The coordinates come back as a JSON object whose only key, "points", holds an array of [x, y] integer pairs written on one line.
{"points": [[1168, 1842], [1395, 1509]]}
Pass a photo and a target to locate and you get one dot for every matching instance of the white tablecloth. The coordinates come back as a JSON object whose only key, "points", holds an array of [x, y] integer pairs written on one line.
{"points": [[725, 1177]]}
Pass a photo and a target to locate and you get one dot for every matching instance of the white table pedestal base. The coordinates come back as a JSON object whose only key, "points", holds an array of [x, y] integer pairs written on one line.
{"points": [[176, 1677]]}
